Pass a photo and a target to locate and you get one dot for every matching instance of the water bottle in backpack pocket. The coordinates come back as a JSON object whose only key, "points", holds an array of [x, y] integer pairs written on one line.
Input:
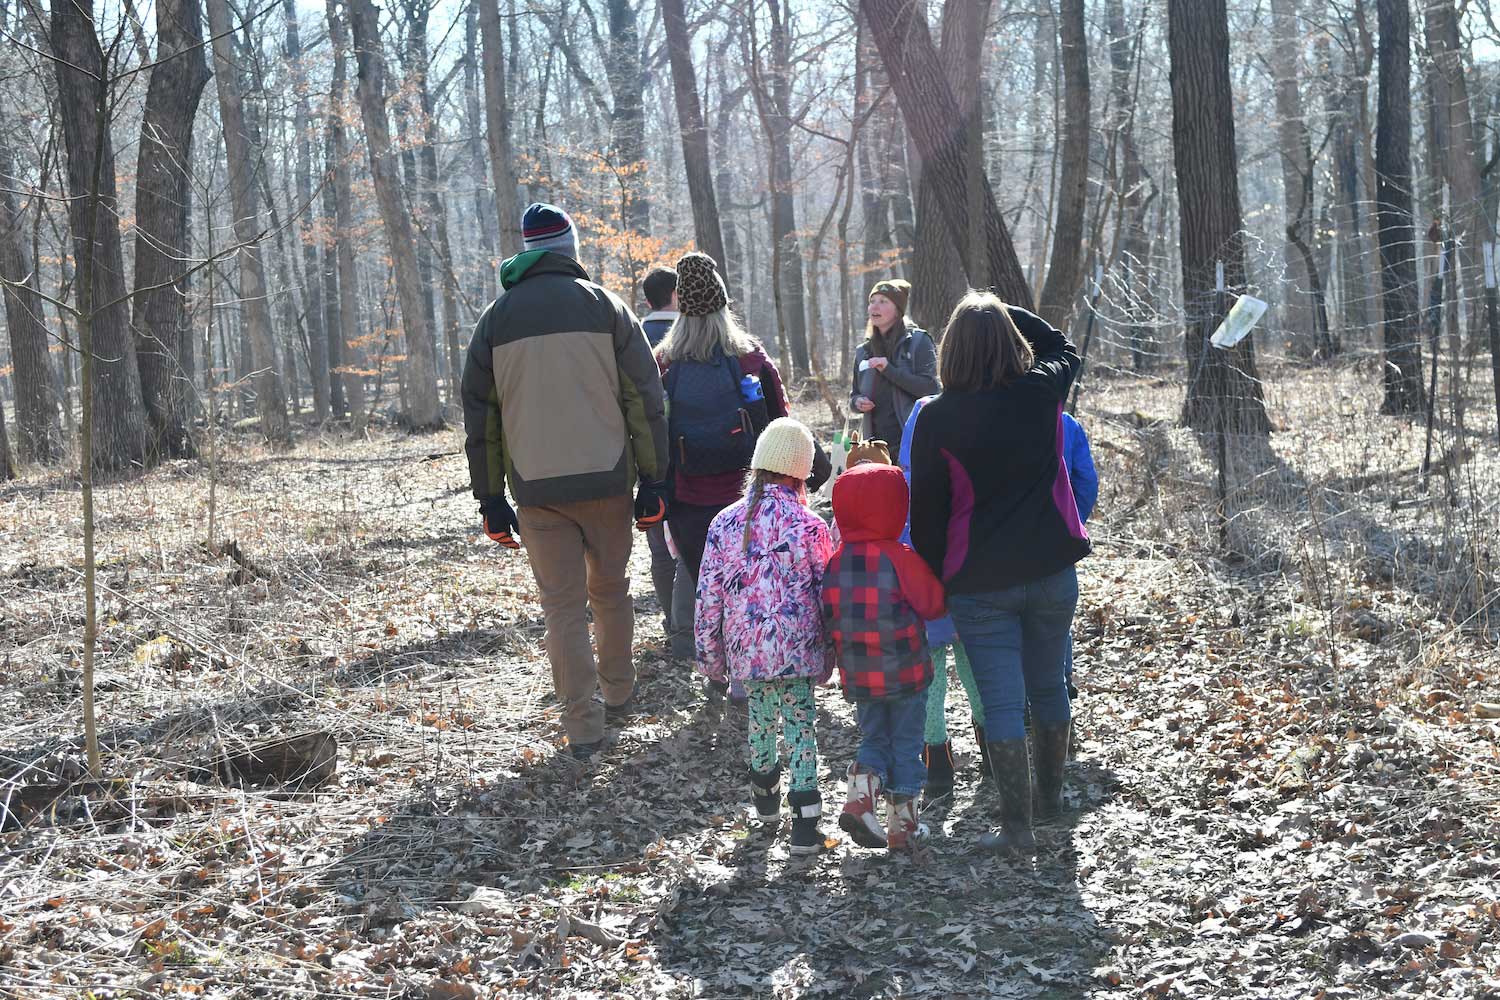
{"points": [[753, 399], [709, 421]]}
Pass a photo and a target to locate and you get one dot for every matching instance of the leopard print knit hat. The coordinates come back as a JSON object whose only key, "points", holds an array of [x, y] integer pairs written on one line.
{"points": [[700, 287]]}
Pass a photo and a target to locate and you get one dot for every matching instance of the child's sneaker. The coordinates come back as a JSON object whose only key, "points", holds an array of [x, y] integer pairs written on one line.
{"points": [[806, 808], [858, 818], [902, 828], [765, 790]]}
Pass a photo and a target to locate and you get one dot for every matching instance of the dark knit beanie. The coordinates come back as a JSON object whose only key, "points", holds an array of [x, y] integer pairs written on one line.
{"points": [[898, 290], [700, 287], [547, 227]]}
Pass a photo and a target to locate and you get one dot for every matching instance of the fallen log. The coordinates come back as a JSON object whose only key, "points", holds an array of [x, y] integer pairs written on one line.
{"points": [[304, 760]]}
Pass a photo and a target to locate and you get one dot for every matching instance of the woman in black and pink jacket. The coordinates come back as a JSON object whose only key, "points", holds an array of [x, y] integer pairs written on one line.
{"points": [[992, 513]]}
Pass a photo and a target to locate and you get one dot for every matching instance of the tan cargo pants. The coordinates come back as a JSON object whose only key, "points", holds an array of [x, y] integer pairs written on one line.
{"points": [[580, 554]]}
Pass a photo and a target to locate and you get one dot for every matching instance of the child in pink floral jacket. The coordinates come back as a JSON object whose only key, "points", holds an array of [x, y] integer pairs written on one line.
{"points": [[759, 620]]}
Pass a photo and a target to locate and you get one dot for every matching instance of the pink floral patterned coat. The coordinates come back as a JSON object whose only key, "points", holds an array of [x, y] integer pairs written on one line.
{"points": [[759, 615]]}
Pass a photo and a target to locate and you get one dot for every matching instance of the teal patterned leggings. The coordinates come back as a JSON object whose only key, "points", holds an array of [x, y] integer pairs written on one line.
{"points": [[937, 722], [790, 702]]}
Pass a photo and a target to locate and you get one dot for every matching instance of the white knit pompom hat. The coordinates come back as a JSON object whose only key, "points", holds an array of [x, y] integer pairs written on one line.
{"points": [[785, 447]]}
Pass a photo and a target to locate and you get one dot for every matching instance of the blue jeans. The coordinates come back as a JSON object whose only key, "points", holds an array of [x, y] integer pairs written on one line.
{"points": [[892, 743], [1017, 639]]}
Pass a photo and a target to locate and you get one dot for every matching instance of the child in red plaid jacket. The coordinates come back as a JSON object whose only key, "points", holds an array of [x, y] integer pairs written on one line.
{"points": [[877, 592]]}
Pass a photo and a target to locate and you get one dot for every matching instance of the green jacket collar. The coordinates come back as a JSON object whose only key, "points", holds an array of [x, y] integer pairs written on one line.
{"points": [[534, 262]]}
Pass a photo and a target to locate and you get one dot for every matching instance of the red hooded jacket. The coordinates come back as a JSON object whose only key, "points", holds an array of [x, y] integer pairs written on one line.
{"points": [[877, 591]]}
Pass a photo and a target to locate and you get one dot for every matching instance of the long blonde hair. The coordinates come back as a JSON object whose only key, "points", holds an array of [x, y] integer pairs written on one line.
{"points": [[699, 338], [755, 488]]}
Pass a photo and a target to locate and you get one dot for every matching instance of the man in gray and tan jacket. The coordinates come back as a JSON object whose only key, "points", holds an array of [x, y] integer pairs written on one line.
{"points": [[563, 398]]}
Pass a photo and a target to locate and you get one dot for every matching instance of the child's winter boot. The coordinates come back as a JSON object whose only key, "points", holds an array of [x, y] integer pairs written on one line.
{"points": [[939, 760], [858, 819], [902, 827], [765, 789], [806, 808]]}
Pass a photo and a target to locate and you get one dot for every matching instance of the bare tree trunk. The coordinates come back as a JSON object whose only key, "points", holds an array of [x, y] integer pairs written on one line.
{"points": [[38, 435], [1471, 225], [162, 200], [484, 199], [423, 412], [338, 403], [627, 82], [1403, 353], [312, 297], [119, 413], [932, 114], [436, 233], [773, 100], [700, 181], [1349, 241], [353, 354], [1296, 163], [1065, 272], [245, 202], [502, 156], [1223, 387], [937, 268], [1133, 257]]}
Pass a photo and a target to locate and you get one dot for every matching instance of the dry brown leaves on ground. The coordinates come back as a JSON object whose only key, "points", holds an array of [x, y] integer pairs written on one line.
{"points": [[1286, 785]]}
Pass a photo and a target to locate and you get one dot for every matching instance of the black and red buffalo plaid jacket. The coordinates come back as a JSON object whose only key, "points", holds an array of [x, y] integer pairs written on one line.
{"points": [[876, 591]]}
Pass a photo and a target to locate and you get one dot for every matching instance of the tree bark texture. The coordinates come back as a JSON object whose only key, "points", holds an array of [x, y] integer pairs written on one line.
{"points": [[437, 206], [773, 95], [700, 179], [1065, 271], [1393, 221], [484, 199], [1132, 260], [940, 255], [244, 200], [163, 199], [353, 353], [1296, 165], [497, 105], [312, 297], [37, 432], [118, 411], [627, 84], [338, 403], [1223, 387], [932, 115], [1470, 224], [423, 411]]}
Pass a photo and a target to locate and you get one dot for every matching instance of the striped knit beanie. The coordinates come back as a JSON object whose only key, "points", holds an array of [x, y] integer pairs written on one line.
{"points": [[547, 227]]}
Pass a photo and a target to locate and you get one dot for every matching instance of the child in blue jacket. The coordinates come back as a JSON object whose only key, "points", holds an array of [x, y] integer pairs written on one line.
{"points": [[1085, 482]]}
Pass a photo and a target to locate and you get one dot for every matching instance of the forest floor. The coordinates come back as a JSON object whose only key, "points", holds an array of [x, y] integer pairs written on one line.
{"points": [[1288, 781]]}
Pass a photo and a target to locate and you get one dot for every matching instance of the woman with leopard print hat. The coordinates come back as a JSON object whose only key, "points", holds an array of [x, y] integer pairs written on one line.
{"points": [[711, 365]]}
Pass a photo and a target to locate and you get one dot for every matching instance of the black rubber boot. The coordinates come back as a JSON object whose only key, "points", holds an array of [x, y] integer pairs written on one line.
{"points": [[939, 760], [1011, 767], [1052, 740], [765, 790], [985, 774], [807, 808]]}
